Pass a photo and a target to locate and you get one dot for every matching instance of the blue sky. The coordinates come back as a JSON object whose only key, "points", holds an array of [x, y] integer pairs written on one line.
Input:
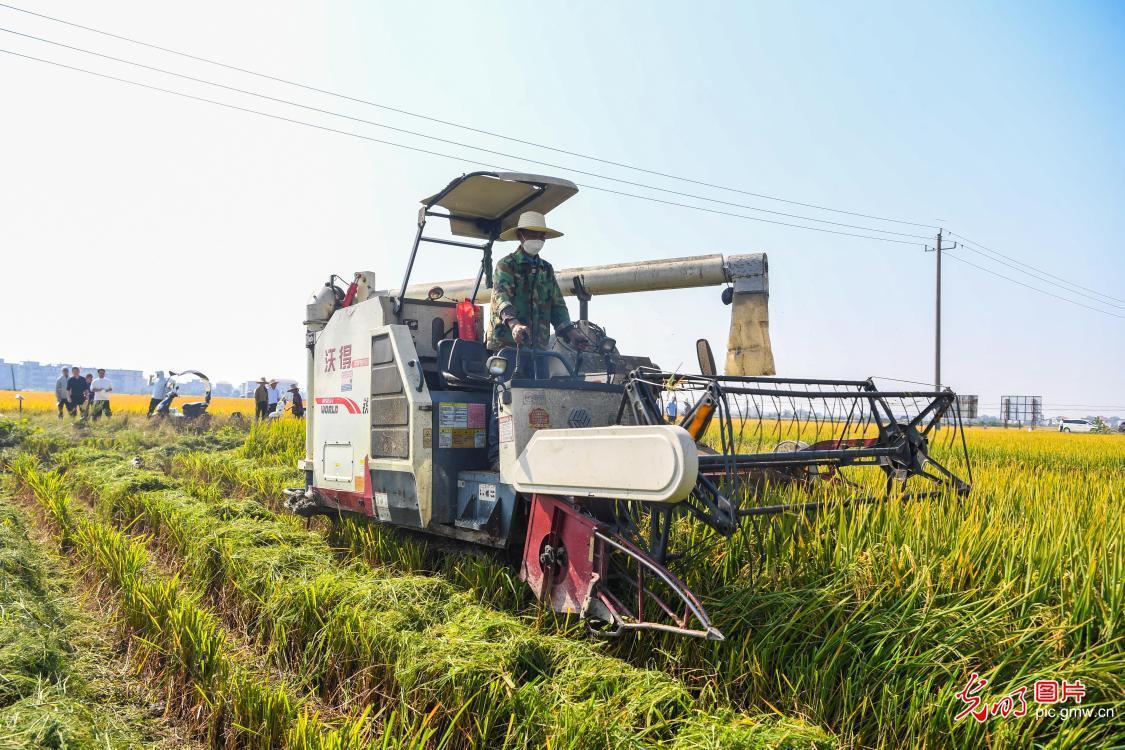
{"points": [[187, 235]]}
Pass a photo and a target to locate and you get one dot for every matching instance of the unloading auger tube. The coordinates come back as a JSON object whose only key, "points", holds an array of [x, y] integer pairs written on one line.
{"points": [[747, 278]]}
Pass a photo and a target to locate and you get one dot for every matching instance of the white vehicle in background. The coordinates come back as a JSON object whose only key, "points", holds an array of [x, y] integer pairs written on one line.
{"points": [[1076, 425]]}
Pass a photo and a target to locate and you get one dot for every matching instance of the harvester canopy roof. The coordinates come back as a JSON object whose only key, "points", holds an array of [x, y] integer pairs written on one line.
{"points": [[484, 204]]}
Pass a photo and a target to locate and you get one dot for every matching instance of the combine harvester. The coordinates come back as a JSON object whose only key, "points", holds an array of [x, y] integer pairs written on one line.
{"points": [[593, 483]]}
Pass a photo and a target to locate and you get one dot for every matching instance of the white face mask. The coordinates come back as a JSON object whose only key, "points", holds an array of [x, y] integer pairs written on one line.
{"points": [[532, 247]]}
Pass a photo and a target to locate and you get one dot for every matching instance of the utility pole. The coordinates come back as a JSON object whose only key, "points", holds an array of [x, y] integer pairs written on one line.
{"points": [[937, 317], [937, 304]]}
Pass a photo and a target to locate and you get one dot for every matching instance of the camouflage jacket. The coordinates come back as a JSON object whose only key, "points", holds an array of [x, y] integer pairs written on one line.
{"points": [[526, 283]]}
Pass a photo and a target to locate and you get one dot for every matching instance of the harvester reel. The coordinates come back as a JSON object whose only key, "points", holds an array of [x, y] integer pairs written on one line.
{"points": [[844, 442]]}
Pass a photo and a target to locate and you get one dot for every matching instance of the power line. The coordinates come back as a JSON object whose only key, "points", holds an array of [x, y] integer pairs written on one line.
{"points": [[902, 380], [1028, 265], [480, 131], [1034, 289], [1039, 277], [495, 166], [457, 143], [1050, 405], [543, 146], [579, 155], [461, 159]]}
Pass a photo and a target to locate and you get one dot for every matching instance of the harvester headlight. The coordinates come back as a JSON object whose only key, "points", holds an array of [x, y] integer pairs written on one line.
{"points": [[497, 366]]}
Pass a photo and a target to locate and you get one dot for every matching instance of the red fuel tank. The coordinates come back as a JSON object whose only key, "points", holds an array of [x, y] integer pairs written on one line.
{"points": [[468, 320]]}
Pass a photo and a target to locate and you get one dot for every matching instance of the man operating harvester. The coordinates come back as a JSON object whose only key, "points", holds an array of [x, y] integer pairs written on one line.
{"points": [[526, 299], [526, 302]]}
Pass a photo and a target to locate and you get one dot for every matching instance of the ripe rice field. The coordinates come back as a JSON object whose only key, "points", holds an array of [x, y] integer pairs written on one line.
{"points": [[125, 403], [237, 625]]}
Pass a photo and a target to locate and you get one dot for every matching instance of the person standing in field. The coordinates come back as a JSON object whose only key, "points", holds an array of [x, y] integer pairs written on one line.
{"points": [[261, 400], [61, 395], [159, 385], [672, 409], [76, 387], [88, 400], [101, 388], [298, 402], [274, 395]]}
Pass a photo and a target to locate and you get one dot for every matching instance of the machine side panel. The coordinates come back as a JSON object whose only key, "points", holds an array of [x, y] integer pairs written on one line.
{"points": [[530, 406], [419, 317], [486, 506], [339, 404], [394, 498], [399, 425], [458, 438], [390, 413]]}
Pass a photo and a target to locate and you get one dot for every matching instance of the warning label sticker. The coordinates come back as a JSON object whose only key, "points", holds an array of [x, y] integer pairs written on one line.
{"points": [[538, 418], [461, 425], [486, 492], [427, 436], [461, 437], [382, 506], [453, 415], [507, 434]]}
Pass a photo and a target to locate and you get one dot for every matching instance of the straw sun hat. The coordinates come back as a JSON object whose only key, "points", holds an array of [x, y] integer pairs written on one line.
{"points": [[532, 221]]}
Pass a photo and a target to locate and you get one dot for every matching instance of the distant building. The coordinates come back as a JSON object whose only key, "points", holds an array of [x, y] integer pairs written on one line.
{"points": [[218, 388], [34, 376], [190, 387]]}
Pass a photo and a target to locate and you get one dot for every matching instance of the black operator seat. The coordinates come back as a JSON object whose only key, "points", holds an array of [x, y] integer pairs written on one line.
{"points": [[463, 364]]}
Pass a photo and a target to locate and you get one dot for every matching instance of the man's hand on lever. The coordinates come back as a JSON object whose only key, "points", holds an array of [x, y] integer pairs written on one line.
{"points": [[521, 334]]}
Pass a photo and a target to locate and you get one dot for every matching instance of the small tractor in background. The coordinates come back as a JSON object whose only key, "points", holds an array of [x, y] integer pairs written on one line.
{"points": [[193, 411], [592, 476]]}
